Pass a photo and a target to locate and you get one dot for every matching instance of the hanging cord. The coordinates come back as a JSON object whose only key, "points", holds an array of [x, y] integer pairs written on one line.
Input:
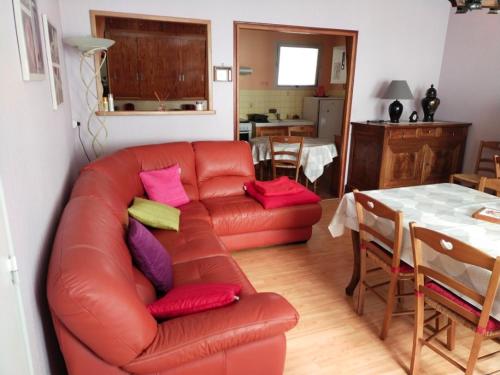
{"points": [[97, 146], [81, 142]]}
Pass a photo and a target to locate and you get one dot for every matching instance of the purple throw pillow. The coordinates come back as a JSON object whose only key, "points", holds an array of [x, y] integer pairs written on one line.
{"points": [[150, 256]]}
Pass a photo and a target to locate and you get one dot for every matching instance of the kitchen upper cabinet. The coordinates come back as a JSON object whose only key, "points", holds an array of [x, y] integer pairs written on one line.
{"points": [[151, 58], [123, 70]]}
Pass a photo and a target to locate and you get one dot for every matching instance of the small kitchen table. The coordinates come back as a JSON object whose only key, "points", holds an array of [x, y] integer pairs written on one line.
{"points": [[446, 208], [316, 154]]}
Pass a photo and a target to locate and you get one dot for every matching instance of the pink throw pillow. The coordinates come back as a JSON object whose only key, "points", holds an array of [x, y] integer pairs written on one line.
{"points": [[191, 298], [165, 186]]}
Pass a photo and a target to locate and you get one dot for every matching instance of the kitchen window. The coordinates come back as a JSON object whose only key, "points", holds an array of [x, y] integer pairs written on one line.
{"points": [[297, 65]]}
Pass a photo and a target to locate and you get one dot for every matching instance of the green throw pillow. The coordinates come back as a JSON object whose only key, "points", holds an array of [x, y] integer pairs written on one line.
{"points": [[155, 214]]}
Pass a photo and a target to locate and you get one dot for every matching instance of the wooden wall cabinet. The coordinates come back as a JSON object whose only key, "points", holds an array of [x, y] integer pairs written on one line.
{"points": [[163, 57], [394, 155]]}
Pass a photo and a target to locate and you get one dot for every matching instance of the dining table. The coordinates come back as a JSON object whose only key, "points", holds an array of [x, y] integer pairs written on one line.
{"points": [[316, 153], [446, 208]]}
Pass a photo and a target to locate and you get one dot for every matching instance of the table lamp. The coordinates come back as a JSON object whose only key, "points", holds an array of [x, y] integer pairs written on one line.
{"points": [[397, 90]]}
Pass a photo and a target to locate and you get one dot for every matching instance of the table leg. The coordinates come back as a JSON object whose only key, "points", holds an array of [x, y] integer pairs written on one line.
{"points": [[349, 290]]}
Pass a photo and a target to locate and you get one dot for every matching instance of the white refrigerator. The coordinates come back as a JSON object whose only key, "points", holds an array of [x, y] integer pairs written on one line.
{"points": [[326, 113]]}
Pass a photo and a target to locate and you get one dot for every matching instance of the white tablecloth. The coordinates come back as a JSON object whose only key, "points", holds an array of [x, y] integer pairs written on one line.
{"points": [[316, 154], [447, 208]]}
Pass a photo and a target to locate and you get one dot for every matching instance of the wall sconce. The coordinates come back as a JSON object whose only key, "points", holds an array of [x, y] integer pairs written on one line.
{"points": [[223, 74]]}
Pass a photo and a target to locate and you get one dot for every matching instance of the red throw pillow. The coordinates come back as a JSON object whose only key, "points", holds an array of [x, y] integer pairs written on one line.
{"points": [[279, 186], [191, 298], [304, 197]]}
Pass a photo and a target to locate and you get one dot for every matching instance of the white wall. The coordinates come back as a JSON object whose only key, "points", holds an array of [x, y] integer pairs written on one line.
{"points": [[398, 39], [469, 86], [37, 166]]}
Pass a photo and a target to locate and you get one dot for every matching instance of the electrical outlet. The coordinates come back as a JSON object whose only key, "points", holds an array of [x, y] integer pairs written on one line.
{"points": [[74, 124]]}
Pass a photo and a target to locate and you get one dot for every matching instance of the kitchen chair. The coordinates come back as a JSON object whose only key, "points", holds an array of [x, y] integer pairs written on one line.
{"points": [[438, 296], [496, 158], [289, 157], [489, 184], [484, 165], [301, 131], [391, 264]]}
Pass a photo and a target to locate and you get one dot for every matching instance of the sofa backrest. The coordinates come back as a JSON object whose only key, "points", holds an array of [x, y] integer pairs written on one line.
{"points": [[222, 167], [167, 154], [92, 286]]}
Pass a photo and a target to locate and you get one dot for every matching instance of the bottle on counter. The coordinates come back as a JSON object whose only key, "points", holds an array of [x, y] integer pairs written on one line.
{"points": [[105, 105], [111, 103]]}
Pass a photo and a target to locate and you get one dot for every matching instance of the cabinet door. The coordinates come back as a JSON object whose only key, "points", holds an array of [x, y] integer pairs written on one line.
{"points": [[158, 67], [441, 159], [402, 164], [194, 68], [123, 68]]}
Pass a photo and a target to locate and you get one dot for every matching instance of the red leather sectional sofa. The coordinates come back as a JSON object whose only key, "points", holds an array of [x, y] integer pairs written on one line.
{"points": [[98, 298]]}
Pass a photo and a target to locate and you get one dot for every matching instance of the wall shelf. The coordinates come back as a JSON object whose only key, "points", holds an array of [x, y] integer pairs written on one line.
{"points": [[154, 113]]}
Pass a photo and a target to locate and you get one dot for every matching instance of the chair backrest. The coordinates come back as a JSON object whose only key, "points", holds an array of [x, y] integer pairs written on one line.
{"points": [[301, 131], [286, 152], [365, 203], [486, 183], [485, 164], [461, 252], [496, 158]]}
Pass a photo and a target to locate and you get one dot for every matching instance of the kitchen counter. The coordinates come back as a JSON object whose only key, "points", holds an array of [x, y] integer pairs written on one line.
{"points": [[273, 123]]}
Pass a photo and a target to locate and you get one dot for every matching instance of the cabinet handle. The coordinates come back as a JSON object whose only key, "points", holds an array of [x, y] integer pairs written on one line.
{"points": [[183, 78], [180, 77], [137, 76]]}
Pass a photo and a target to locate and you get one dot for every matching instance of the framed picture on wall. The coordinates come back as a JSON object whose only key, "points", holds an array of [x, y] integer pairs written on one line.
{"points": [[29, 39], [53, 61], [339, 65]]}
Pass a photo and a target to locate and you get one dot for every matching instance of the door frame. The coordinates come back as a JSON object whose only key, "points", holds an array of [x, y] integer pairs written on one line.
{"points": [[351, 49]]}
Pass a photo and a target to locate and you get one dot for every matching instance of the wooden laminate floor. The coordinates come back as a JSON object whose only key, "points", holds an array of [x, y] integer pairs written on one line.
{"points": [[330, 337]]}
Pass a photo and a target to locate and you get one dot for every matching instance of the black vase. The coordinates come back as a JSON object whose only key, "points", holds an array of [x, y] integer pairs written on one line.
{"points": [[430, 104], [395, 111]]}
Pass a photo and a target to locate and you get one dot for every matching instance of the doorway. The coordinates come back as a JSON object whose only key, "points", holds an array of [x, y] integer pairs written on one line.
{"points": [[332, 87]]}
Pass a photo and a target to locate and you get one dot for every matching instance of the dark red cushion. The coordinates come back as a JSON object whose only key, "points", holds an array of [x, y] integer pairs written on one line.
{"points": [[304, 197], [191, 298], [279, 186], [491, 326]]}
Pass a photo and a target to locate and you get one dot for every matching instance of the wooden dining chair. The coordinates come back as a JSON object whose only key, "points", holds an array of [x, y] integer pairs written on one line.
{"points": [[286, 159], [438, 294], [301, 131], [485, 165], [489, 184], [496, 158], [388, 262]]}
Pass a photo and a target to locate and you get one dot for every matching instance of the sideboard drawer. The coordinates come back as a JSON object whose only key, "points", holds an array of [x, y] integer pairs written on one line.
{"points": [[403, 133], [429, 132], [453, 132]]}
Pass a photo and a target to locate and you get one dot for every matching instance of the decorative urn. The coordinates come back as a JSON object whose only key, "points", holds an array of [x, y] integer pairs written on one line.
{"points": [[430, 104]]}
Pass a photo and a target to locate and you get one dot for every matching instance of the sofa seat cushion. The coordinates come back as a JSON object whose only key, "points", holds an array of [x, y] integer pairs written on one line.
{"points": [[198, 242], [217, 269], [242, 214]]}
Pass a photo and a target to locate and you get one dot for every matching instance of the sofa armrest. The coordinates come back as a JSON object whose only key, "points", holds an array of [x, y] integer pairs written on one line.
{"points": [[195, 336]]}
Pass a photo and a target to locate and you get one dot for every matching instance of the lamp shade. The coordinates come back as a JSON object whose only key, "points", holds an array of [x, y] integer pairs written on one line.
{"points": [[398, 90], [88, 43]]}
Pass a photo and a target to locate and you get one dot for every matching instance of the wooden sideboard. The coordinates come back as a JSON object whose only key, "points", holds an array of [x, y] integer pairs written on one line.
{"points": [[392, 155]]}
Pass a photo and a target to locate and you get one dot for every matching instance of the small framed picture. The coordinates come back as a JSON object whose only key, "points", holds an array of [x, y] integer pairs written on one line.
{"points": [[29, 39], [223, 74], [488, 214], [53, 61]]}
